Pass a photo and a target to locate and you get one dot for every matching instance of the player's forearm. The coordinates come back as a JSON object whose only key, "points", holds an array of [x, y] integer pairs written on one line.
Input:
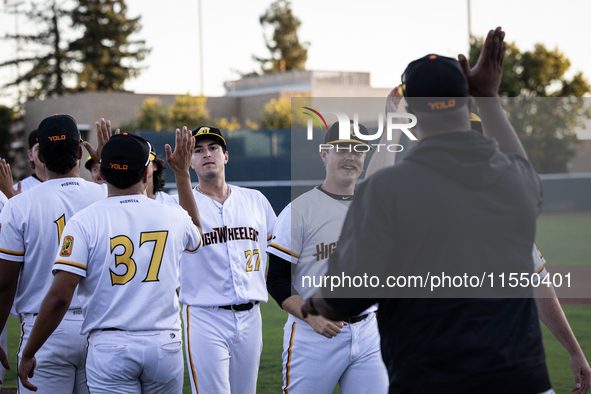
{"points": [[52, 311], [382, 157], [551, 314], [293, 305], [187, 199], [496, 125], [9, 272]]}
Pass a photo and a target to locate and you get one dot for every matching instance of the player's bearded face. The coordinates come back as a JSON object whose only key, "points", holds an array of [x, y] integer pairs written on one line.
{"points": [[208, 159], [344, 164]]}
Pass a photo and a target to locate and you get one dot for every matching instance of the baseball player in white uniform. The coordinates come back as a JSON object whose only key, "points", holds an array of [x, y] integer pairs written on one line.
{"points": [[36, 165], [223, 284], [31, 226], [123, 253], [319, 353]]}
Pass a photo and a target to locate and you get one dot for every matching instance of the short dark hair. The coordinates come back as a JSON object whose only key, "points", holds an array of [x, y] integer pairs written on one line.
{"points": [[158, 175], [121, 179], [61, 156]]}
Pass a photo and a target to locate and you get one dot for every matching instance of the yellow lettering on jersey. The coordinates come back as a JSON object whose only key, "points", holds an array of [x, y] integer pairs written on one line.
{"points": [[159, 239], [61, 223], [248, 255], [124, 258]]}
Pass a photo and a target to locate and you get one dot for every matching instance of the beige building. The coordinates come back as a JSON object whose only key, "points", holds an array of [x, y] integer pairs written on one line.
{"points": [[244, 99]]}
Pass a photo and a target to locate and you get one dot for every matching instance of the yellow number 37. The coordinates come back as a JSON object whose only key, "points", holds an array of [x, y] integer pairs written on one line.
{"points": [[159, 239]]}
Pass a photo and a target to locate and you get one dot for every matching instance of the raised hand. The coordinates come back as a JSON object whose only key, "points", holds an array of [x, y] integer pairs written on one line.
{"points": [[484, 78], [180, 160], [6, 180], [103, 133]]}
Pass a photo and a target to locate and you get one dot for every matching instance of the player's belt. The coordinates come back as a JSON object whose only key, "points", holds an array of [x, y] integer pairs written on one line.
{"points": [[240, 308], [356, 319]]}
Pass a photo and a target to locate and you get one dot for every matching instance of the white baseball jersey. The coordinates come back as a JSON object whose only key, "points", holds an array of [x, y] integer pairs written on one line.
{"points": [[128, 250], [27, 183], [230, 266], [306, 233], [3, 200], [165, 198], [31, 226]]}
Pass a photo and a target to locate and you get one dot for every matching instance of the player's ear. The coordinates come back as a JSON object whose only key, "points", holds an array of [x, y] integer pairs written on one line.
{"points": [[39, 157], [323, 153], [225, 157], [145, 175], [80, 153], [30, 155]]}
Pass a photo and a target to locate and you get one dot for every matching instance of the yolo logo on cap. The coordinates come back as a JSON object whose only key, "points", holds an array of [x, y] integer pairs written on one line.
{"points": [[203, 130]]}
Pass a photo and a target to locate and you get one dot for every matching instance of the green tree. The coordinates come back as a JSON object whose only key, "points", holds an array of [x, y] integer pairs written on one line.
{"points": [[188, 111], [542, 103], [46, 54], [287, 52], [277, 114], [108, 56]]}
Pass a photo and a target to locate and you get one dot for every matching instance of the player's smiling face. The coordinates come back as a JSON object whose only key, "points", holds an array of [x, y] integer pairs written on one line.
{"points": [[343, 165], [208, 158]]}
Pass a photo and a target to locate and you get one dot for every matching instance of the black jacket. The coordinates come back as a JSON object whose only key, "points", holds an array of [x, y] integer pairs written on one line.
{"points": [[455, 205]]}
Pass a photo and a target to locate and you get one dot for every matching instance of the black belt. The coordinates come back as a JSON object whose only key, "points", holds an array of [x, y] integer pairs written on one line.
{"points": [[241, 307], [356, 319], [111, 329]]}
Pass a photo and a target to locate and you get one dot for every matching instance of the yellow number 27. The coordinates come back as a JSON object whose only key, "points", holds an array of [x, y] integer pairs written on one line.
{"points": [[250, 255]]}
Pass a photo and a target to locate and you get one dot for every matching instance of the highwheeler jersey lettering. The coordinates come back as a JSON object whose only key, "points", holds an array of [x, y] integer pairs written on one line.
{"points": [[31, 224], [127, 249], [230, 266]]}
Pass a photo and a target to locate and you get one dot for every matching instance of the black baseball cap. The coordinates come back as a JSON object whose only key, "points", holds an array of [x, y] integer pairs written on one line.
{"points": [[435, 84], [213, 133], [88, 163], [126, 152], [57, 128], [33, 139], [332, 135]]}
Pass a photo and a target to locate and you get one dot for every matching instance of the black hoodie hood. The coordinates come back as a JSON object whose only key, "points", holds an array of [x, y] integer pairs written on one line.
{"points": [[465, 156]]}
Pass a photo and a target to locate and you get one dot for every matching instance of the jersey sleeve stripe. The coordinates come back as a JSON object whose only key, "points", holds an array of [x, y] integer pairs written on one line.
{"points": [[540, 269], [198, 245], [284, 250], [269, 237], [11, 252], [73, 264]]}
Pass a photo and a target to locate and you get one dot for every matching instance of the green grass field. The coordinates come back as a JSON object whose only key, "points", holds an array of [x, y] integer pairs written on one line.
{"points": [[562, 239]]}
